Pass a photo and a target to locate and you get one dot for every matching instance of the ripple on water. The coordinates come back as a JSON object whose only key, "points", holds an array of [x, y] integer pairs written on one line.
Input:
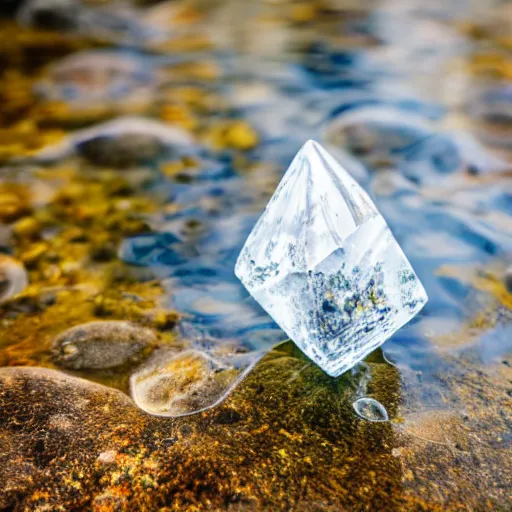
{"points": [[123, 142]]}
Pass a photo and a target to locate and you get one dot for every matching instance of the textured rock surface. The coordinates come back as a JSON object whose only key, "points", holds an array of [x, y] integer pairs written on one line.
{"points": [[100, 345], [287, 439], [174, 384]]}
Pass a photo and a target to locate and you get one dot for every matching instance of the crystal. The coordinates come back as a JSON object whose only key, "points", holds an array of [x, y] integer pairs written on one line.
{"points": [[323, 263]]}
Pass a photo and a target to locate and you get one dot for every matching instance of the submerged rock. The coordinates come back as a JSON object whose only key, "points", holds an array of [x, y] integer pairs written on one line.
{"points": [[126, 150], [14, 202], [178, 384], [13, 277], [101, 345], [93, 21], [123, 142], [287, 439]]}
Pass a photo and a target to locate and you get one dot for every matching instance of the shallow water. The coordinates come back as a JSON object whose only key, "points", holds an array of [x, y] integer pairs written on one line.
{"points": [[143, 221]]}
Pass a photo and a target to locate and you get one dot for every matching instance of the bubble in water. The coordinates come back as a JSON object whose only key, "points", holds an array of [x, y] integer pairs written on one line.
{"points": [[370, 409]]}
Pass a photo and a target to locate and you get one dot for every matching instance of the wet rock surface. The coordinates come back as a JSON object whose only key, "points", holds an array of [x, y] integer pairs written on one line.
{"points": [[127, 150], [101, 345], [268, 447], [175, 384]]}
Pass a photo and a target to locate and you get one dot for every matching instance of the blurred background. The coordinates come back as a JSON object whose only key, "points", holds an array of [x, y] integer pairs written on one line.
{"points": [[139, 143]]}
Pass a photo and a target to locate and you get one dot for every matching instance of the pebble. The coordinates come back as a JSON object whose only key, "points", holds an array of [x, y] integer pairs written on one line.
{"points": [[126, 150], [27, 227], [179, 384], [101, 344], [106, 458], [91, 78], [122, 142], [14, 202]]}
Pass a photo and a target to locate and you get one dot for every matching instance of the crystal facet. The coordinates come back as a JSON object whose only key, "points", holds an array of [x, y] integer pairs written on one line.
{"points": [[323, 263]]}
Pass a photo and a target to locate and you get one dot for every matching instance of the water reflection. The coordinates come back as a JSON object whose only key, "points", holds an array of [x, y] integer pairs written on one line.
{"points": [[378, 86]]}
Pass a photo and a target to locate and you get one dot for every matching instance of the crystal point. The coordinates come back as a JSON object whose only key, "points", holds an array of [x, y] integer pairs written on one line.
{"points": [[323, 263]]}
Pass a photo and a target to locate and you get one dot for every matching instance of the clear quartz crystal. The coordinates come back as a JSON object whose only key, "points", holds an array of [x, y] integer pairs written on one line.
{"points": [[323, 263]]}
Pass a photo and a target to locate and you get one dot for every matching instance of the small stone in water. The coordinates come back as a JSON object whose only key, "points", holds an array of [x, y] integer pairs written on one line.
{"points": [[179, 384], [370, 409], [323, 263], [142, 140], [101, 345], [126, 150]]}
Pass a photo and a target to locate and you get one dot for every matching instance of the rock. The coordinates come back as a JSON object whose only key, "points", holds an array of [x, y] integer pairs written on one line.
{"points": [[124, 142], [27, 227], [94, 79], [51, 14], [13, 277], [63, 408], [127, 150], [173, 384], [17, 478], [286, 439], [100, 345]]}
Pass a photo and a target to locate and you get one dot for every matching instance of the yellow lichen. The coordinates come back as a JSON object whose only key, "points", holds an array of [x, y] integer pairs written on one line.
{"points": [[234, 134]]}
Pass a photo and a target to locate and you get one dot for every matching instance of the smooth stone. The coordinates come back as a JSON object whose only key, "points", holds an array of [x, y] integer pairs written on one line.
{"points": [[13, 277], [123, 142], [370, 409], [126, 150], [179, 384], [101, 345]]}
